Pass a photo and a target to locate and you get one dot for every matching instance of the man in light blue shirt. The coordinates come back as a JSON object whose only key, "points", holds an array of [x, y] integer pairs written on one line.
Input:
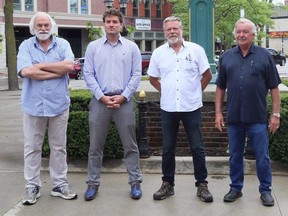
{"points": [[43, 61], [112, 71]]}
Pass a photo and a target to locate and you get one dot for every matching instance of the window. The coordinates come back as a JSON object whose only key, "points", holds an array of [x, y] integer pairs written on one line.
{"points": [[135, 8], [17, 5], [84, 6], [73, 6], [29, 5], [79, 6], [158, 8], [23, 5], [147, 8]]}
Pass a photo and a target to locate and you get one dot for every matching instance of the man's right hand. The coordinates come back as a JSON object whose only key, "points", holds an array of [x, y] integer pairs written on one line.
{"points": [[219, 121]]}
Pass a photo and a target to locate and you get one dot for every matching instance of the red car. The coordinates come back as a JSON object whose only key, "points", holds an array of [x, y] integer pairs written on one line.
{"points": [[146, 56], [77, 72]]}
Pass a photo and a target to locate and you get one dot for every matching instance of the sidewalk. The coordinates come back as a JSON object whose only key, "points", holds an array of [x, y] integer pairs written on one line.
{"points": [[113, 198]]}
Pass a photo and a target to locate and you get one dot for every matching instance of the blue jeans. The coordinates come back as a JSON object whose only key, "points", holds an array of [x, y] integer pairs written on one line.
{"points": [[258, 136], [170, 126]]}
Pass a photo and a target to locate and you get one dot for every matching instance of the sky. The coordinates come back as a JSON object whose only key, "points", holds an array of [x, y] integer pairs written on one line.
{"points": [[280, 1]]}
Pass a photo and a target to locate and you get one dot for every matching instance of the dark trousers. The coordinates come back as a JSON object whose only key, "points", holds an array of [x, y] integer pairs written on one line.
{"points": [[170, 127]]}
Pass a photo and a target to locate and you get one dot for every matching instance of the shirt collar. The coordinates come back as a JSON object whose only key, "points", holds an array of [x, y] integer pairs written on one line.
{"points": [[183, 44], [252, 49], [105, 40]]}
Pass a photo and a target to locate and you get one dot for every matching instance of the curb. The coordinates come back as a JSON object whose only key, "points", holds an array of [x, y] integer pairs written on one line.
{"points": [[184, 165]]}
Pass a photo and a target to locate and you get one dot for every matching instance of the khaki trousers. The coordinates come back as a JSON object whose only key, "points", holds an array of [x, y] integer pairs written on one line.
{"points": [[34, 132]]}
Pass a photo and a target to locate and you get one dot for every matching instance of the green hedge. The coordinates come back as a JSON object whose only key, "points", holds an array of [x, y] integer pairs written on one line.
{"points": [[279, 140]]}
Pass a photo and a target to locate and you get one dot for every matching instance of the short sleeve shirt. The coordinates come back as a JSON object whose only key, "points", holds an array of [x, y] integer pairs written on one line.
{"points": [[44, 97], [247, 80], [180, 75]]}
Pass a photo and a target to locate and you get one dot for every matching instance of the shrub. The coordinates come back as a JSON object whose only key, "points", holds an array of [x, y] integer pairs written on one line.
{"points": [[279, 141], [285, 81]]}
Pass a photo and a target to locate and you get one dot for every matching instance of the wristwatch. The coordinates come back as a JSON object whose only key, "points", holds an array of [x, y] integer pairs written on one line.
{"points": [[276, 115]]}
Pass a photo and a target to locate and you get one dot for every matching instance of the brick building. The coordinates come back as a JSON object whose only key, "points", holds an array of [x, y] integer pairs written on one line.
{"points": [[72, 17]]}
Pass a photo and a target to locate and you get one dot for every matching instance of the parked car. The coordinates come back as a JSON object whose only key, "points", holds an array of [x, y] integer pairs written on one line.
{"points": [[146, 56], [217, 55], [279, 58], [77, 71]]}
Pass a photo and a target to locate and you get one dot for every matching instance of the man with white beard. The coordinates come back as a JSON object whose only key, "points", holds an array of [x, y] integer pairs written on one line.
{"points": [[44, 61], [180, 71]]}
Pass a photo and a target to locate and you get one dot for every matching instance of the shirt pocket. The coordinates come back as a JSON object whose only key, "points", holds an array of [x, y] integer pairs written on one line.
{"points": [[256, 68]]}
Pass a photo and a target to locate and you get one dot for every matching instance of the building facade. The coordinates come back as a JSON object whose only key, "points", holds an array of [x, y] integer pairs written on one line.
{"points": [[278, 34], [72, 17]]}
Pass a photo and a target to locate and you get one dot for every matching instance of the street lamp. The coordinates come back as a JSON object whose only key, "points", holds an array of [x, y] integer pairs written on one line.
{"points": [[108, 3], [123, 5], [242, 12]]}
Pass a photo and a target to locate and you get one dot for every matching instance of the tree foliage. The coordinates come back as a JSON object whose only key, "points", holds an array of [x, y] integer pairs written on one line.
{"points": [[93, 32], [226, 13]]}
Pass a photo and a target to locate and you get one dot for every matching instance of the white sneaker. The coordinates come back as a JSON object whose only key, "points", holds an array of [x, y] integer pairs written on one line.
{"points": [[31, 195], [63, 192]]}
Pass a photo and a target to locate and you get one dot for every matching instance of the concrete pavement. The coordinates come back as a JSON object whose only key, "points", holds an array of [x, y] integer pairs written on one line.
{"points": [[113, 198]]}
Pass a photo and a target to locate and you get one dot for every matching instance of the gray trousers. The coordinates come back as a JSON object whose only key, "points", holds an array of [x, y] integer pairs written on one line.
{"points": [[34, 132], [99, 119]]}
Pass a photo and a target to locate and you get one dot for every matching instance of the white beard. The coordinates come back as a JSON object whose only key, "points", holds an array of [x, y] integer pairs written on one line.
{"points": [[173, 40], [41, 36]]}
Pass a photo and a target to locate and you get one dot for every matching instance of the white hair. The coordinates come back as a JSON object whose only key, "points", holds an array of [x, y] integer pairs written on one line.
{"points": [[172, 18], [53, 29], [243, 20]]}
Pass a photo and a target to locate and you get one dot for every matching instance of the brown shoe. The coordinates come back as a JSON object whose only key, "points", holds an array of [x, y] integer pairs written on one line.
{"points": [[203, 193], [166, 190]]}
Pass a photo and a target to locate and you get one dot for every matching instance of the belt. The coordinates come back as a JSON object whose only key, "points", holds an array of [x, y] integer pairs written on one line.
{"points": [[110, 94]]}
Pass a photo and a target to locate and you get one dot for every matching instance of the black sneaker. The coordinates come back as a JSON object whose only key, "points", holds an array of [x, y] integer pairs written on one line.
{"points": [[267, 199], [203, 193], [165, 191], [31, 195], [232, 195], [63, 192]]}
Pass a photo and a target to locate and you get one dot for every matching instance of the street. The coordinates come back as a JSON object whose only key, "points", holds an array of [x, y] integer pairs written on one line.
{"points": [[80, 84]]}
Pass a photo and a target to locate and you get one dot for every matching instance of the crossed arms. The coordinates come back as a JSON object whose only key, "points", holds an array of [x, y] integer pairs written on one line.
{"points": [[44, 71]]}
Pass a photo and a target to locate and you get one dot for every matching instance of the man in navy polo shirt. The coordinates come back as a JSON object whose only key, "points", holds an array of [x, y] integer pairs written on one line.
{"points": [[248, 72]]}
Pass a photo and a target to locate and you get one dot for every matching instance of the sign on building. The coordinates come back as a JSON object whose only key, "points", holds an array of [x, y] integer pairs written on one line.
{"points": [[143, 24]]}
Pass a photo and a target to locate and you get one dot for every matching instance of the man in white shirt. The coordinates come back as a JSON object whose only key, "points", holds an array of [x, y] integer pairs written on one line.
{"points": [[185, 72]]}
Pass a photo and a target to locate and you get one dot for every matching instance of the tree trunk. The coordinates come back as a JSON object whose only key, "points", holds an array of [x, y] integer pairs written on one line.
{"points": [[10, 46]]}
